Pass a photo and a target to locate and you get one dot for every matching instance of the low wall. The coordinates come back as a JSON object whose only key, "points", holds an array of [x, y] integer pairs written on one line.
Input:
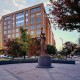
{"points": [[35, 61]]}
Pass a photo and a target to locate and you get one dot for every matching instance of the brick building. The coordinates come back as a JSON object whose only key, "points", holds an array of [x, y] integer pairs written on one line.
{"points": [[31, 18]]}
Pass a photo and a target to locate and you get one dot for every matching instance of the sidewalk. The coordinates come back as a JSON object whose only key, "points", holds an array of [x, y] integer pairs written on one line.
{"points": [[28, 71]]}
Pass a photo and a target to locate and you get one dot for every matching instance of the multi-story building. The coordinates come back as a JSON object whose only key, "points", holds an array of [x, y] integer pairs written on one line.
{"points": [[32, 18], [0, 35]]}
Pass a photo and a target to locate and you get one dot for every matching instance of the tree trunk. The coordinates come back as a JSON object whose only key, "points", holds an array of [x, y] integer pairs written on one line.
{"points": [[13, 58], [24, 57]]}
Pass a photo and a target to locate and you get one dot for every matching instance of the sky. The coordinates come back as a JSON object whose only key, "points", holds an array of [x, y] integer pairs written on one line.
{"points": [[8, 6]]}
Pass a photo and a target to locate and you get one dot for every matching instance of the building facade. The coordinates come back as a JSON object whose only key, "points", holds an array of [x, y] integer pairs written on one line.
{"points": [[0, 34], [32, 18]]}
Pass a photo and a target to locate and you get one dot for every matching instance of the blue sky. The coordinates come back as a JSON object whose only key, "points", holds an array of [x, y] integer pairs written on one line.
{"points": [[8, 6]]}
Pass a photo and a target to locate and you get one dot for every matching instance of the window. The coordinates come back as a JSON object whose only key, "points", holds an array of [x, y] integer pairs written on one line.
{"points": [[32, 21], [38, 19], [7, 18], [13, 25], [5, 32], [35, 9], [19, 14], [9, 36], [26, 17], [5, 23], [5, 27], [9, 31], [9, 27], [17, 30], [32, 27], [38, 14], [32, 33], [26, 13], [9, 22], [19, 19], [17, 34], [19, 24], [13, 16], [32, 15], [38, 31], [26, 22], [38, 8], [38, 26], [5, 36]]}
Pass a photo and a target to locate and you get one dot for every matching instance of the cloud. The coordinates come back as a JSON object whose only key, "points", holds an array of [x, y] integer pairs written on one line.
{"points": [[8, 6], [5, 12], [20, 4]]}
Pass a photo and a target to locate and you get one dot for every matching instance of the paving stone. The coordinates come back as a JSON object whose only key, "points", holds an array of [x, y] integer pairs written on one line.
{"points": [[28, 71]]}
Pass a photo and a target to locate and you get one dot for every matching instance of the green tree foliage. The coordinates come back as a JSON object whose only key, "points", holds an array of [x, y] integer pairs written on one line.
{"points": [[19, 46], [23, 35], [68, 47], [2, 51], [66, 13], [77, 51], [51, 49], [24, 42]]}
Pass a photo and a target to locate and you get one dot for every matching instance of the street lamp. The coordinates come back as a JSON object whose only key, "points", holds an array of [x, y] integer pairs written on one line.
{"points": [[62, 42]]}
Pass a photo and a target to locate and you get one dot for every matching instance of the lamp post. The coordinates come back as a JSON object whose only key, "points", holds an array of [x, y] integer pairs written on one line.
{"points": [[62, 42]]}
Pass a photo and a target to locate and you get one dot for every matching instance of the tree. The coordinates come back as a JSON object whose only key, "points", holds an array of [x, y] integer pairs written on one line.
{"points": [[24, 39], [66, 13], [23, 35], [2, 51], [34, 47], [12, 48], [68, 47], [77, 51], [51, 49]]}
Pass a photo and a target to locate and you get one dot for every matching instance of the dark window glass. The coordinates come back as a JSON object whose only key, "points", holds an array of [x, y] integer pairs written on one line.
{"points": [[32, 15], [5, 27], [19, 14], [19, 19], [38, 19], [38, 14], [9, 26], [26, 22], [38, 25], [17, 34], [9, 22], [32, 27], [19, 24], [32, 32], [5, 23], [32, 21], [9, 31], [35, 9], [7, 18], [5, 32], [17, 30], [5, 36], [26, 13], [9, 36], [38, 31]]}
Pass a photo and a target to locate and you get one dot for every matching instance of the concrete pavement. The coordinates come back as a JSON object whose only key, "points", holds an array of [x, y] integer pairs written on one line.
{"points": [[28, 71]]}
